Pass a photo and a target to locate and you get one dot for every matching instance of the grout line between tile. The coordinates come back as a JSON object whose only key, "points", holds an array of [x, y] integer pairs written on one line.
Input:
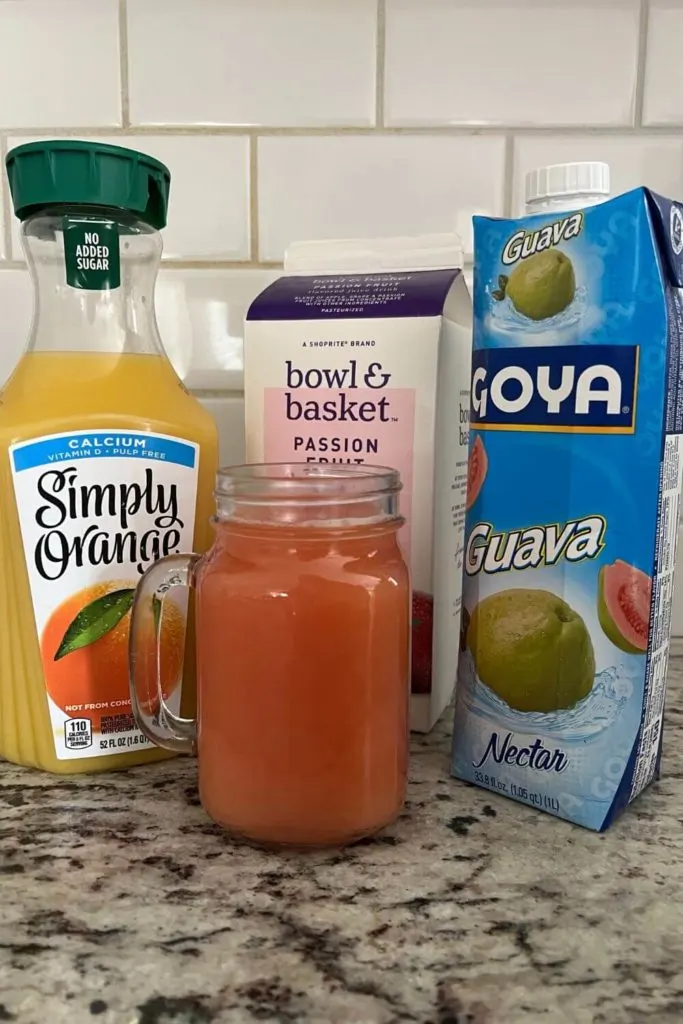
{"points": [[252, 185], [218, 393], [218, 264], [6, 208], [508, 174], [639, 98], [182, 264], [123, 64], [381, 61], [256, 131]]}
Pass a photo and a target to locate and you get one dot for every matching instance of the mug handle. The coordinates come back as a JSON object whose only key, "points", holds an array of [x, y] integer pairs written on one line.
{"points": [[152, 714]]}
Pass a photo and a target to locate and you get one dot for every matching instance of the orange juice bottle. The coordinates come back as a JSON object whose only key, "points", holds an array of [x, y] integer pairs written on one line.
{"points": [[106, 462]]}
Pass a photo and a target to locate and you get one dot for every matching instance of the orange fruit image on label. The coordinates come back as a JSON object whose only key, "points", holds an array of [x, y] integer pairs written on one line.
{"points": [[84, 649]]}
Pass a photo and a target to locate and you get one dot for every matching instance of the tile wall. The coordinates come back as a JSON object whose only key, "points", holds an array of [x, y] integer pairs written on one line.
{"points": [[286, 119]]}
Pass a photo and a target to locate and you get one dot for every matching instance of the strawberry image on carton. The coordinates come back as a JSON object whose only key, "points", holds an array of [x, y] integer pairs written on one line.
{"points": [[361, 353]]}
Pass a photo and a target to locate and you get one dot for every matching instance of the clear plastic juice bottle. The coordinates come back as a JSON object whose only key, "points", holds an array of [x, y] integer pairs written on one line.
{"points": [[106, 461]]}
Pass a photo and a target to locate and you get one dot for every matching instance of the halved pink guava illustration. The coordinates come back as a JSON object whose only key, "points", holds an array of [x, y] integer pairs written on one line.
{"points": [[477, 467], [624, 594]]}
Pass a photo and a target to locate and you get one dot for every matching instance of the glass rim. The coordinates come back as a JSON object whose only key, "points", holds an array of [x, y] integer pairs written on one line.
{"points": [[308, 482]]}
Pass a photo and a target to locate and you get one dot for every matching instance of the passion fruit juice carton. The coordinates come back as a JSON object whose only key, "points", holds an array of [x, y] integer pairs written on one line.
{"points": [[575, 483], [361, 354]]}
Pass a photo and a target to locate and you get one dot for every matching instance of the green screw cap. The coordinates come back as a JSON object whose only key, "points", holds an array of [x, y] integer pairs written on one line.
{"points": [[68, 172]]}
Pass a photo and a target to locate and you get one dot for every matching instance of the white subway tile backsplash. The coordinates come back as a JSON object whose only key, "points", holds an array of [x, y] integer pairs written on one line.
{"points": [[194, 67], [252, 62], [363, 186], [16, 309], [653, 160], [201, 320], [208, 215], [59, 63], [228, 412], [200, 314], [663, 99], [514, 62]]}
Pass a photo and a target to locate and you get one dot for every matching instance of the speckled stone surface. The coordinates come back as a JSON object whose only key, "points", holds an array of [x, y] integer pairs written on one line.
{"points": [[121, 903]]}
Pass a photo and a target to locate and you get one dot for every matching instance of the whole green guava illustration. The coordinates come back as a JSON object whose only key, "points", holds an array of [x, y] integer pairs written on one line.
{"points": [[532, 649], [540, 286]]}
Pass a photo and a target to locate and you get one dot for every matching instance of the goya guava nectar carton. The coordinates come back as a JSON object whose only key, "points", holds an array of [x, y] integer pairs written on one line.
{"points": [[575, 482], [361, 353]]}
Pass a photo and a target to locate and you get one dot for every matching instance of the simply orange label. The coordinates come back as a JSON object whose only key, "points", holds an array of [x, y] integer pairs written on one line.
{"points": [[96, 508]]}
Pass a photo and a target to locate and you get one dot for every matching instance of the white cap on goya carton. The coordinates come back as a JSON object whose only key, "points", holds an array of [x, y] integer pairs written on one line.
{"points": [[568, 185]]}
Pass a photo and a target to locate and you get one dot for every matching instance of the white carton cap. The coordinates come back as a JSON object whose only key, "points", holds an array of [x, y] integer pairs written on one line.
{"points": [[558, 180]]}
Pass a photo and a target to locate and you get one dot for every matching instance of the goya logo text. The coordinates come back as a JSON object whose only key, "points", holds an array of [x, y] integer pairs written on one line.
{"points": [[587, 389]]}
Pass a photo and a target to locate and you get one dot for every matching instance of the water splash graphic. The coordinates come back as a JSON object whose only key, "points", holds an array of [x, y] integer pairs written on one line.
{"points": [[512, 327], [598, 711]]}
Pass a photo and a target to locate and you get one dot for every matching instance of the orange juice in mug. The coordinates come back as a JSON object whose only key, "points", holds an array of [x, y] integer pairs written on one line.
{"points": [[302, 632]]}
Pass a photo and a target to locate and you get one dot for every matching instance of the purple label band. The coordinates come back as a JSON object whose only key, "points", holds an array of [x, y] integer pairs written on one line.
{"points": [[354, 296]]}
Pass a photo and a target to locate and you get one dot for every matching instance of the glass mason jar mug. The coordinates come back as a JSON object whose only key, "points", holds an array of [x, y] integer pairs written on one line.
{"points": [[302, 621]]}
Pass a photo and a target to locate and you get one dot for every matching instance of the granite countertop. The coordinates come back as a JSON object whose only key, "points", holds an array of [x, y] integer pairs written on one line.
{"points": [[121, 903]]}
